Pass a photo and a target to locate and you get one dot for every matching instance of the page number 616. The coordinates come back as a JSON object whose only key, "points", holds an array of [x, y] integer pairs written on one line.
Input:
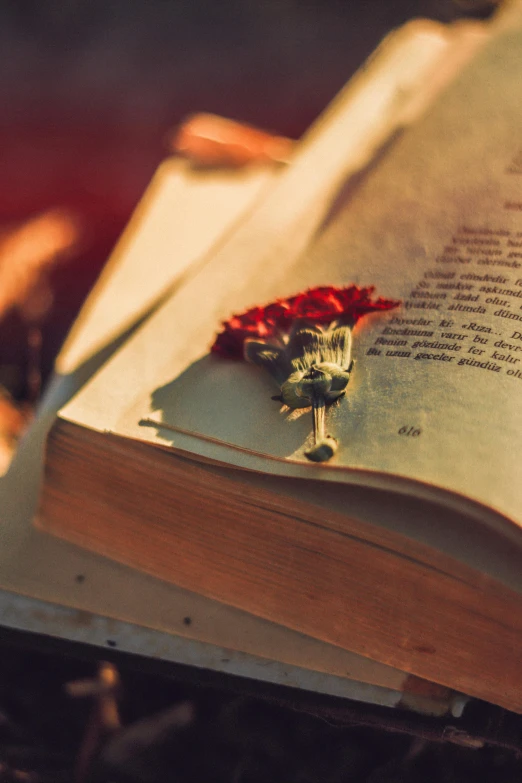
{"points": [[411, 432]]}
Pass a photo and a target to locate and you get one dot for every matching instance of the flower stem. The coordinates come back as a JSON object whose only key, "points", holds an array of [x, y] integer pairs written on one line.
{"points": [[324, 447], [319, 413]]}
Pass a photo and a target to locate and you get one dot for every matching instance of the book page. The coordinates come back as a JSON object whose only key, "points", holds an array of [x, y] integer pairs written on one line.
{"points": [[198, 207], [436, 224], [438, 383]]}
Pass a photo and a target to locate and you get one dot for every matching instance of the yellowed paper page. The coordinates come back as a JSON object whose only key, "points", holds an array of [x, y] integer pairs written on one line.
{"points": [[198, 208]]}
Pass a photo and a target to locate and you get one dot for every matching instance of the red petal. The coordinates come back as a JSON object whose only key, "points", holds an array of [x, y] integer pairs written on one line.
{"points": [[320, 305]]}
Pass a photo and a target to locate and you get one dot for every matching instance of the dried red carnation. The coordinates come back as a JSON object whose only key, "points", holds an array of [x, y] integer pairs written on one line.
{"points": [[320, 306]]}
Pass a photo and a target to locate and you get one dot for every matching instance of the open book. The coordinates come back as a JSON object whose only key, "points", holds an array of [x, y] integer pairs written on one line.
{"points": [[218, 497]]}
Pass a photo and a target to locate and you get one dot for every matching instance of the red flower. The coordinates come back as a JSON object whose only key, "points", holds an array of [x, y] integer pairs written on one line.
{"points": [[317, 305]]}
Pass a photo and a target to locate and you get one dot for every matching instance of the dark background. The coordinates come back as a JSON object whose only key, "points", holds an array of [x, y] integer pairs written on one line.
{"points": [[89, 87]]}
